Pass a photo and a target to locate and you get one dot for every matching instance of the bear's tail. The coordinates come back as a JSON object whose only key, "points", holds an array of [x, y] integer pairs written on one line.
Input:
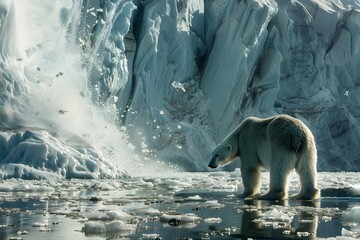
{"points": [[297, 143]]}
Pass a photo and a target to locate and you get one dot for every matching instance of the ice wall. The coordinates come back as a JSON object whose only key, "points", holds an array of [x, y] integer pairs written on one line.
{"points": [[84, 81], [249, 58], [294, 57]]}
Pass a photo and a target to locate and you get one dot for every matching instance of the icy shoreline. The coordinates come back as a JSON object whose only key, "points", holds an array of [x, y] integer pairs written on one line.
{"points": [[197, 205]]}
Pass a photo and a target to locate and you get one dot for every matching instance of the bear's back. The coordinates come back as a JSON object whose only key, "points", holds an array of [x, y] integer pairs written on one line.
{"points": [[252, 132], [289, 132]]}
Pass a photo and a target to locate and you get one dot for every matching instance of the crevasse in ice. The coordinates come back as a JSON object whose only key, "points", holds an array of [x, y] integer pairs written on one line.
{"points": [[90, 87]]}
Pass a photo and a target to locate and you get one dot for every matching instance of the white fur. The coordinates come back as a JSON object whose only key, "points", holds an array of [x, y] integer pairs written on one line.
{"points": [[279, 144]]}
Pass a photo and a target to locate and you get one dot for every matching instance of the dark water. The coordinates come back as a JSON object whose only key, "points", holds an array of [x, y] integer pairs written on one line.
{"points": [[58, 215]]}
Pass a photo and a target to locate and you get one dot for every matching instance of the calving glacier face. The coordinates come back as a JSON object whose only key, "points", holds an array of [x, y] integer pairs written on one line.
{"points": [[49, 127], [175, 76]]}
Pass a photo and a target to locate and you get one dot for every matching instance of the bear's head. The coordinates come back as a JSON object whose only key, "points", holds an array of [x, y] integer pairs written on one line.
{"points": [[224, 154]]}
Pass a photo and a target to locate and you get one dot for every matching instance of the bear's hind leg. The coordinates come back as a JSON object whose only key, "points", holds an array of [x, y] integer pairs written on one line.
{"points": [[251, 181], [306, 169]]}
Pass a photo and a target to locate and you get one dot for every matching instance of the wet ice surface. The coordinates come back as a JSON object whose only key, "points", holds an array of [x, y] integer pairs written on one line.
{"points": [[175, 206]]}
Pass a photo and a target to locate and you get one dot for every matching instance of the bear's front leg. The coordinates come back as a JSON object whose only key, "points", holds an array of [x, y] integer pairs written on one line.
{"points": [[251, 181], [274, 195], [278, 184]]}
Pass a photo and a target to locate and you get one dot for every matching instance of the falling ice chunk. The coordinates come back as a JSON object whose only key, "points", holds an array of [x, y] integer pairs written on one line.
{"points": [[346, 93], [161, 112], [178, 86], [91, 9], [82, 42]]}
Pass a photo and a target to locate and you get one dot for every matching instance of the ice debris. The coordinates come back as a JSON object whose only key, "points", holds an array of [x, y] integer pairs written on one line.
{"points": [[178, 86]]}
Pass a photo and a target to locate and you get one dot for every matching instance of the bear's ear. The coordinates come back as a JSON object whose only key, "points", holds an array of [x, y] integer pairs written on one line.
{"points": [[229, 147]]}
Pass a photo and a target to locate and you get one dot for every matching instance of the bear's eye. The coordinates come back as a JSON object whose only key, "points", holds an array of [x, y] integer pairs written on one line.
{"points": [[216, 155]]}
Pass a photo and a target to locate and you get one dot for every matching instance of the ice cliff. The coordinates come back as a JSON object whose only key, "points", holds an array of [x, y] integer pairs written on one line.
{"points": [[89, 88]]}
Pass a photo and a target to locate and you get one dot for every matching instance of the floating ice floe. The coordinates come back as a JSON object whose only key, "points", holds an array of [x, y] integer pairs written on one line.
{"points": [[213, 204], [275, 218], [187, 220], [16, 185], [177, 184], [213, 220], [147, 212], [107, 216], [151, 236], [352, 216], [98, 227], [194, 198], [38, 224], [349, 233], [352, 220], [276, 214]]}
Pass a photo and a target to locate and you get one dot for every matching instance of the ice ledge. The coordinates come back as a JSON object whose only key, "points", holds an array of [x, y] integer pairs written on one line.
{"points": [[39, 154]]}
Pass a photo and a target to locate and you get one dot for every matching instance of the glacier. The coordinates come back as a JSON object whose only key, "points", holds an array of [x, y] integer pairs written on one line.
{"points": [[103, 89]]}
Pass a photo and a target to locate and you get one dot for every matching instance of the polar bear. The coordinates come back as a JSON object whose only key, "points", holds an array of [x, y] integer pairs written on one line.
{"points": [[279, 144]]}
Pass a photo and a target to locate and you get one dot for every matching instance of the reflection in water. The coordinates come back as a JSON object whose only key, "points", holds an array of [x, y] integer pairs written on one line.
{"points": [[278, 220], [37, 217]]}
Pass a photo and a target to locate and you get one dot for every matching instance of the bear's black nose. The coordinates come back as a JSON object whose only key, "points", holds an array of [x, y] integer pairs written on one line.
{"points": [[212, 165]]}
